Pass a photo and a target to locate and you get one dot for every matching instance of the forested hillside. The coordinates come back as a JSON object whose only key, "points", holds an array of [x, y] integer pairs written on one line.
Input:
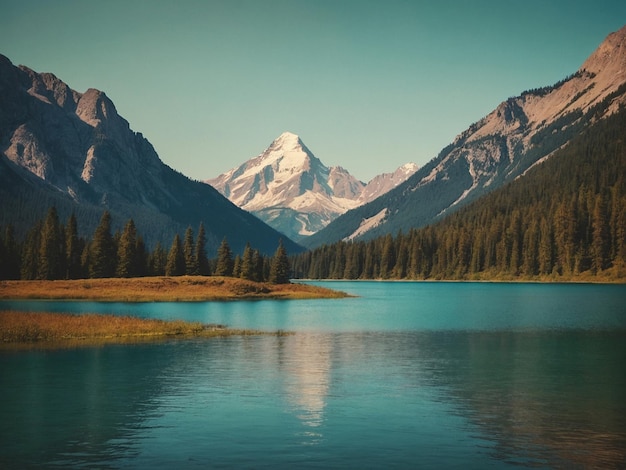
{"points": [[53, 250], [564, 218], [495, 150]]}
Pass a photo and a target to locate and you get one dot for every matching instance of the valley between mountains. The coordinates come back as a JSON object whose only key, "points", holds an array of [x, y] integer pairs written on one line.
{"points": [[72, 151]]}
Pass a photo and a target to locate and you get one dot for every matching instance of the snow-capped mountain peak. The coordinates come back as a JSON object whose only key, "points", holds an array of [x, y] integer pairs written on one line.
{"points": [[293, 191]]}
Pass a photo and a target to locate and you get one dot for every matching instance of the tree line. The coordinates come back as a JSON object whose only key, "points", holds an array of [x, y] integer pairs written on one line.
{"points": [[567, 216], [52, 250]]}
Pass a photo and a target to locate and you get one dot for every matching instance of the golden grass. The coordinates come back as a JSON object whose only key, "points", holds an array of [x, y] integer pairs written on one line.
{"points": [[29, 327], [160, 289]]}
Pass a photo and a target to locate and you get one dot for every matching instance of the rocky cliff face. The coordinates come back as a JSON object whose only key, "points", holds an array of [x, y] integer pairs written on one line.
{"points": [[294, 192], [385, 182], [521, 132], [74, 150]]}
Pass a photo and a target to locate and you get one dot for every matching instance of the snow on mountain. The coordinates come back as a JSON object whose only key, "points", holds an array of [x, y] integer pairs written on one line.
{"points": [[293, 191]]}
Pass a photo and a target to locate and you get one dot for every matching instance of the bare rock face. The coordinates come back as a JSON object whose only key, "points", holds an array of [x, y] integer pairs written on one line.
{"points": [[292, 190], [385, 182], [521, 132], [77, 147]]}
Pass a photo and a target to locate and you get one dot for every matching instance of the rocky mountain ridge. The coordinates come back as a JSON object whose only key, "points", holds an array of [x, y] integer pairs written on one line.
{"points": [[520, 133], [293, 191], [73, 150]]}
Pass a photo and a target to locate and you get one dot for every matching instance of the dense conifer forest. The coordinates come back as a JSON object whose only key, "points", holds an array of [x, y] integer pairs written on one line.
{"points": [[52, 250], [565, 218]]}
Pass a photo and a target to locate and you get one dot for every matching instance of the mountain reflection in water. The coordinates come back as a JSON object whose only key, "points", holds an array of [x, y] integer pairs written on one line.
{"points": [[547, 393]]}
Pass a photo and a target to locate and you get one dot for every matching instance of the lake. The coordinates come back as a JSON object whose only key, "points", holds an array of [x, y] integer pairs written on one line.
{"points": [[407, 374]]}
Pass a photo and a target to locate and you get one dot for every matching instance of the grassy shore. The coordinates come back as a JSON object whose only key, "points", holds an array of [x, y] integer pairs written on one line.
{"points": [[160, 289], [62, 329]]}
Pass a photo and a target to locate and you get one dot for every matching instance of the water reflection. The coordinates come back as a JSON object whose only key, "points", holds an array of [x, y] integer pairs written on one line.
{"points": [[306, 362], [76, 406], [551, 399]]}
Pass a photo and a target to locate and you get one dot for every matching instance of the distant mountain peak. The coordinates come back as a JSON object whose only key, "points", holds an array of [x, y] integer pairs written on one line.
{"points": [[292, 190], [289, 138]]}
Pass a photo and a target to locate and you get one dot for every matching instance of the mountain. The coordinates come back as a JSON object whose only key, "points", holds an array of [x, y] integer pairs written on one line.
{"points": [[565, 220], [74, 151], [499, 148], [293, 191], [385, 182]]}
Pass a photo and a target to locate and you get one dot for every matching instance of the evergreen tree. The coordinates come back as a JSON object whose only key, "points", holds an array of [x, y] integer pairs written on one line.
{"points": [[191, 261], [279, 270], [225, 262], [201, 257], [247, 264], [601, 235], [237, 266], [127, 252], [175, 259], [102, 251], [73, 249], [51, 252], [157, 261], [387, 260], [258, 262]]}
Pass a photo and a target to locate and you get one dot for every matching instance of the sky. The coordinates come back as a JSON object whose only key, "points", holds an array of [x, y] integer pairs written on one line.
{"points": [[367, 85]]}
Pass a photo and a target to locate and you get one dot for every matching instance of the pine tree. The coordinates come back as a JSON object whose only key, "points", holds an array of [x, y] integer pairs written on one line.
{"points": [[279, 270], [601, 235], [175, 259], [102, 251], [157, 261], [237, 266], [73, 249], [545, 248], [247, 264], [127, 251], [51, 258], [258, 262], [201, 257], [387, 259], [191, 261], [225, 262]]}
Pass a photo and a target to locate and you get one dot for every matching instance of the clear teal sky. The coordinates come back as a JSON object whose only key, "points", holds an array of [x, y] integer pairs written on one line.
{"points": [[368, 85]]}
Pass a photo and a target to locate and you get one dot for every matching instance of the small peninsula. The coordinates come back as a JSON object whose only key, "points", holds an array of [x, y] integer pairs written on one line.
{"points": [[161, 289]]}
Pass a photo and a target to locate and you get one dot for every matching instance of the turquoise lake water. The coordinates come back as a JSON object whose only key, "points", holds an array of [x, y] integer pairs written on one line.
{"points": [[406, 375]]}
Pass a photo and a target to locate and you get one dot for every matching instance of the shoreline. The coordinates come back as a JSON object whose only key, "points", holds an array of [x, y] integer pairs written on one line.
{"points": [[483, 281], [60, 330], [161, 289]]}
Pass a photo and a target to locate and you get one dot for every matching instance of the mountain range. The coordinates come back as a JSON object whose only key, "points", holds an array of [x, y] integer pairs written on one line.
{"points": [[72, 150], [293, 191], [520, 133]]}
